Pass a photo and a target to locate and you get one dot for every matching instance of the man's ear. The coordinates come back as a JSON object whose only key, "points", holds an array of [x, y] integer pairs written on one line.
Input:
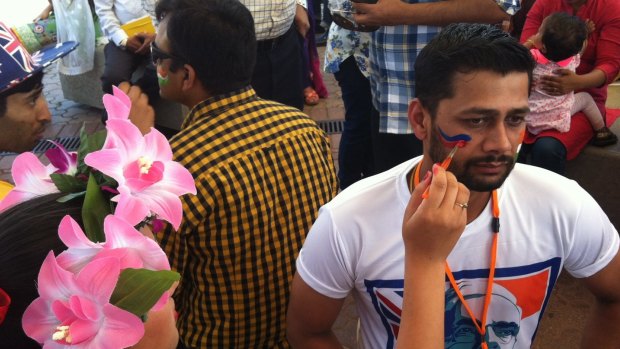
{"points": [[189, 78], [418, 116]]}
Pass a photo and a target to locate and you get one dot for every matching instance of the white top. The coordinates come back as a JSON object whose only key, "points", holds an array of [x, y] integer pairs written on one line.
{"points": [[74, 22], [114, 13], [547, 222]]}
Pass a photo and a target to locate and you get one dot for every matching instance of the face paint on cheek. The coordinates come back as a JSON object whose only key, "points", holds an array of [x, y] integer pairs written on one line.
{"points": [[459, 140], [162, 77]]}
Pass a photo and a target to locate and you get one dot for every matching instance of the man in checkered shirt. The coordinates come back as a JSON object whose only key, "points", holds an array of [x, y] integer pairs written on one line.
{"points": [[278, 72]]}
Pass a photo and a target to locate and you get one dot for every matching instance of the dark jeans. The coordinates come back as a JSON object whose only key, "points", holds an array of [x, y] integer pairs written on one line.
{"points": [[355, 150], [120, 65], [390, 149], [324, 15], [278, 71], [546, 152]]}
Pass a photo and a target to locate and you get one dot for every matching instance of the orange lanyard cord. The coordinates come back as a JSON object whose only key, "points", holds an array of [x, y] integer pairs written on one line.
{"points": [[489, 291]]}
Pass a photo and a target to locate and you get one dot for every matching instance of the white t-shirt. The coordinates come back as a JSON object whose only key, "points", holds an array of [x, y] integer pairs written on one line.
{"points": [[548, 222]]}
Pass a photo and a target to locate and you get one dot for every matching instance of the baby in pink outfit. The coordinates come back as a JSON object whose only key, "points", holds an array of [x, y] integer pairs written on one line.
{"points": [[562, 38]]}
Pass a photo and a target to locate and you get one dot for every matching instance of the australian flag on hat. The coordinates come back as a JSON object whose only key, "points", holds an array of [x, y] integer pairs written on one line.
{"points": [[14, 48], [16, 64]]}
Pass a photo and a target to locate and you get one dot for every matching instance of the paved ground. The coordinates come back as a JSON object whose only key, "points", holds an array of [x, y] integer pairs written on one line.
{"points": [[565, 315]]}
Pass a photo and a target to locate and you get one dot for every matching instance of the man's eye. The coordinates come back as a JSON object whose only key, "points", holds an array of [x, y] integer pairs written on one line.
{"points": [[476, 121], [33, 100], [515, 120]]}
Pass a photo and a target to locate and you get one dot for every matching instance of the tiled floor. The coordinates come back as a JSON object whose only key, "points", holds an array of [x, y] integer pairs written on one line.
{"points": [[565, 315]]}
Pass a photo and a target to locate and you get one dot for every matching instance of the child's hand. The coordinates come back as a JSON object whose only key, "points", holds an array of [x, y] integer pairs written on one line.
{"points": [[564, 81], [536, 40], [590, 25]]}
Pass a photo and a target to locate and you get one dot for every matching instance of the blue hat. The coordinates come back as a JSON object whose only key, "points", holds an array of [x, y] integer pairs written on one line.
{"points": [[17, 65]]}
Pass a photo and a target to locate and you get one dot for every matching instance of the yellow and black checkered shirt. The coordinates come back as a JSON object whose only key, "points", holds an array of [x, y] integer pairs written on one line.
{"points": [[262, 171]]}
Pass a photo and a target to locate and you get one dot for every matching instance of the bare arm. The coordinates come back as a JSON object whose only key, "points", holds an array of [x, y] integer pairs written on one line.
{"points": [[603, 329], [310, 317], [440, 13], [567, 81], [45, 13], [160, 329], [302, 21], [141, 114], [430, 231]]}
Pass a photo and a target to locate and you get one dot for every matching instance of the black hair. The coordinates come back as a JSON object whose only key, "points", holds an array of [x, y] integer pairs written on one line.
{"points": [[28, 232], [215, 37], [163, 7], [563, 36], [25, 86], [465, 48]]}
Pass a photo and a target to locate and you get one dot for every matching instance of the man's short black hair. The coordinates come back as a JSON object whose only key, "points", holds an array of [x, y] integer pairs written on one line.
{"points": [[465, 48], [27, 85], [215, 37], [563, 36]]}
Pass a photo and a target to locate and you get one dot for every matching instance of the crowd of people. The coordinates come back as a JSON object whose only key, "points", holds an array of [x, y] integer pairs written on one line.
{"points": [[271, 239]]}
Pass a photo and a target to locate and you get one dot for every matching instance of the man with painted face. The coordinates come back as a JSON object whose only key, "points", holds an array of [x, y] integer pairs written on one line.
{"points": [[472, 82], [262, 170]]}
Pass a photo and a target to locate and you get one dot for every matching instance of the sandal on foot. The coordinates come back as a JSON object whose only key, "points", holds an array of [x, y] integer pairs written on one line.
{"points": [[604, 137], [310, 96]]}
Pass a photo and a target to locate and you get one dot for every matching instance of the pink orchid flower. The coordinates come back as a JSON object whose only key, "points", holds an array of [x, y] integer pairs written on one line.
{"points": [[117, 105], [65, 162], [75, 311], [149, 181], [122, 241], [31, 178]]}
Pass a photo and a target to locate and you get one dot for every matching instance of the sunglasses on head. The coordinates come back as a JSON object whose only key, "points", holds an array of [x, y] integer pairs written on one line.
{"points": [[344, 19], [157, 55]]}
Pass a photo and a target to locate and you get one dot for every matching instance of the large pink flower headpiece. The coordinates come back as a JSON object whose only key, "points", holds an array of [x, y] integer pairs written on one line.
{"points": [[97, 292], [118, 171]]}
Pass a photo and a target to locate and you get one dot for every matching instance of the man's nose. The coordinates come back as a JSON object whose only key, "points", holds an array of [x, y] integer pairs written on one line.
{"points": [[498, 140], [43, 111]]}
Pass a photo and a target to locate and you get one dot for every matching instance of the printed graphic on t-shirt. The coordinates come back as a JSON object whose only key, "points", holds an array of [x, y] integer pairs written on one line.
{"points": [[518, 300]]}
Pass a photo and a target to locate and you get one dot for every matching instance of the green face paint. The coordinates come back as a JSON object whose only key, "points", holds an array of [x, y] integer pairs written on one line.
{"points": [[162, 77]]}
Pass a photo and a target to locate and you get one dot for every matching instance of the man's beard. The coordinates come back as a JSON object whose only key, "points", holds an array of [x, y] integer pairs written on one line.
{"points": [[463, 170]]}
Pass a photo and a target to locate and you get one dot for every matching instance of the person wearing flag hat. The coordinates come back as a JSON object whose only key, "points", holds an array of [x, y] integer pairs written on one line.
{"points": [[23, 110]]}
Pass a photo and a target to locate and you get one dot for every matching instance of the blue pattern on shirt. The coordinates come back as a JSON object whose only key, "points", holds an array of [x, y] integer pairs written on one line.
{"points": [[343, 43]]}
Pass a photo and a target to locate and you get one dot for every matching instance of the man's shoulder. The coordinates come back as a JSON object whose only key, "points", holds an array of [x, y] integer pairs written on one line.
{"points": [[533, 181], [374, 193], [214, 138], [283, 119]]}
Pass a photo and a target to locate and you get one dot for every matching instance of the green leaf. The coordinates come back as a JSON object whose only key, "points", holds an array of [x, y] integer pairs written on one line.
{"points": [[82, 150], [71, 196], [138, 290], [67, 184], [96, 207], [89, 144]]}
